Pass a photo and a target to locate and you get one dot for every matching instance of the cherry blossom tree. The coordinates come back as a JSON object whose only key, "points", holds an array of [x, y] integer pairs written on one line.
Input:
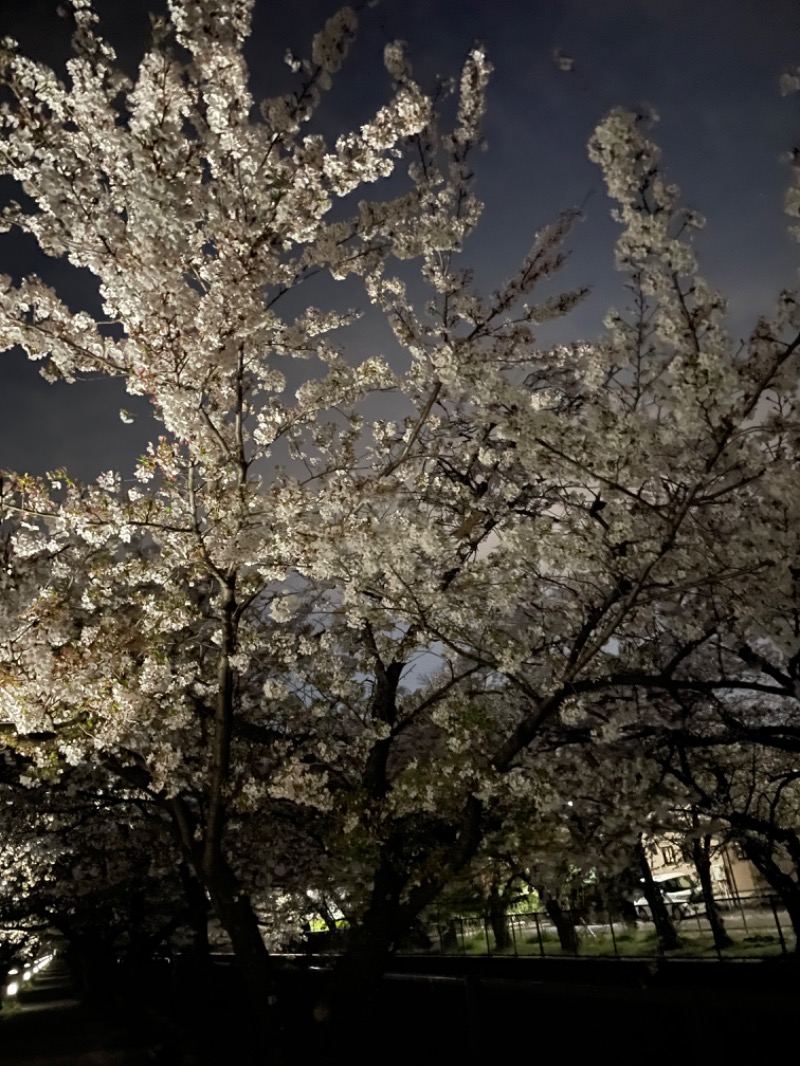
{"points": [[736, 787], [179, 675], [91, 867], [367, 639]]}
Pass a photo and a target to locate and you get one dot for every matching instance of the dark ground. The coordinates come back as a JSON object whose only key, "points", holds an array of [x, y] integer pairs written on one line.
{"points": [[49, 1026], [481, 1011]]}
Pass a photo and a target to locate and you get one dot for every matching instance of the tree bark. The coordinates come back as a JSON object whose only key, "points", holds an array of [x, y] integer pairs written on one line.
{"points": [[702, 863], [196, 911], [498, 918], [353, 1006], [236, 915], [665, 927], [448, 933], [562, 920], [761, 854]]}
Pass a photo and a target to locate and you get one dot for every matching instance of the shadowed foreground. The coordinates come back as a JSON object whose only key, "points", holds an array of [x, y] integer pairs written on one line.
{"points": [[428, 1013], [49, 1026]]}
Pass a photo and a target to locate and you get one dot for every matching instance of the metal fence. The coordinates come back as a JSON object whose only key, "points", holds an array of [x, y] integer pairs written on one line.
{"points": [[757, 926]]}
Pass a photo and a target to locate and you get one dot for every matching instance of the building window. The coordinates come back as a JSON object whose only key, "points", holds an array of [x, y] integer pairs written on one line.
{"points": [[670, 854]]}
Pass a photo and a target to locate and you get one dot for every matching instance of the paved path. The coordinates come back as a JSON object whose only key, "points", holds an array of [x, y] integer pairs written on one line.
{"points": [[50, 1027]]}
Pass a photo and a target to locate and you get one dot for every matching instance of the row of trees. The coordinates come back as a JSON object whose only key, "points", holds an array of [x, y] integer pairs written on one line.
{"points": [[702, 786], [310, 649], [98, 868]]}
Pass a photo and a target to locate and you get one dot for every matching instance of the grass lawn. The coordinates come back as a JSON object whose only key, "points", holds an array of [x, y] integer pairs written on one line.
{"points": [[641, 942]]}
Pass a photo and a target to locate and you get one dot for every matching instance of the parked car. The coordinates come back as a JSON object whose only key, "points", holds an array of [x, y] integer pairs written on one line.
{"points": [[680, 893]]}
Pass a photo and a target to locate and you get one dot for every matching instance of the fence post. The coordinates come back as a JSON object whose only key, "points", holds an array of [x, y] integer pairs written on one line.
{"points": [[717, 948], [572, 918], [744, 918], [539, 932], [613, 936]]}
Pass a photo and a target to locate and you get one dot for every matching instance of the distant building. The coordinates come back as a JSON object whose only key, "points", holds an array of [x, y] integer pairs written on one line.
{"points": [[734, 876]]}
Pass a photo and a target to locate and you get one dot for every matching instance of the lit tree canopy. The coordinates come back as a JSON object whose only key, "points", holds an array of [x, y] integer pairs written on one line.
{"points": [[373, 633]]}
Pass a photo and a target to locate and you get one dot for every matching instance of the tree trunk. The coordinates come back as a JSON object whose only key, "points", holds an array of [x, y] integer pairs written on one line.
{"points": [[562, 920], [662, 919], [760, 853], [236, 914], [352, 1004], [207, 858], [196, 911], [237, 917], [498, 919], [353, 1008], [616, 892], [253, 1019], [448, 935], [702, 863]]}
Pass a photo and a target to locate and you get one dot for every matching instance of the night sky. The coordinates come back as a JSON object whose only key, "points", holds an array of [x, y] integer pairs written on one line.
{"points": [[709, 68]]}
